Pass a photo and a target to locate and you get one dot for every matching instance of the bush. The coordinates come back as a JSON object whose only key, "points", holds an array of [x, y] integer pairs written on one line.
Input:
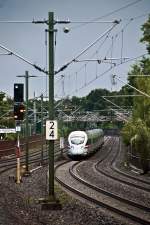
{"points": [[138, 132], [142, 145]]}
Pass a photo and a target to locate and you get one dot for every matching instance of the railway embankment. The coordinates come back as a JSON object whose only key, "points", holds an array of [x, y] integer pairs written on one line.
{"points": [[19, 204]]}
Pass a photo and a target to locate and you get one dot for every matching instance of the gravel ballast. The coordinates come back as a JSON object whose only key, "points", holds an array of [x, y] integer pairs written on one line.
{"points": [[19, 204]]}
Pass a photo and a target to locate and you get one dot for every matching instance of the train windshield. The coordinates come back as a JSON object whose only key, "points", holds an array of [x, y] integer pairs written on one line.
{"points": [[77, 140]]}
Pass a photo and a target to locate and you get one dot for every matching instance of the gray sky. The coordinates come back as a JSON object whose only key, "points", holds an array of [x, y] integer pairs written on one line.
{"points": [[28, 40]]}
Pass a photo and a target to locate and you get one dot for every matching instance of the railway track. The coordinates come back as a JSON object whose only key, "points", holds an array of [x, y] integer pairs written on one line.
{"points": [[136, 177], [22, 213], [85, 189], [120, 176], [7, 148], [99, 196], [34, 157]]}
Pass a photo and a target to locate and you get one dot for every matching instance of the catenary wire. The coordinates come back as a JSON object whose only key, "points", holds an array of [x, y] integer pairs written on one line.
{"points": [[108, 70], [108, 14]]}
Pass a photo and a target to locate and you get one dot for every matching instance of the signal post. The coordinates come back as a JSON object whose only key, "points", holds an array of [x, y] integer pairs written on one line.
{"points": [[18, 152], [19, 110], [27, 76]]}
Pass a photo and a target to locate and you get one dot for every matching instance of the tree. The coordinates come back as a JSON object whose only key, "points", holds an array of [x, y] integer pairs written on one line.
{"points": [[128, 131], [142, 144], [146, 34], [141, 104], [137, 132], [76, 101], [125, 101], [94, 100], [139, 128], [6, 111]]}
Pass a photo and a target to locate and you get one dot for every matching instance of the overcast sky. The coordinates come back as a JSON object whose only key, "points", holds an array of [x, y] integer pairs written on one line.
{"points": [[28, 40]]}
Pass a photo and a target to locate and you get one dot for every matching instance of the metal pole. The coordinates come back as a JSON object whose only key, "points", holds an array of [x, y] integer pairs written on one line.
{"points": [[42, 130], [51, 102], [27, 125], [34, 110], [18, 175], [27, 122], [51, 202], [63, 90]]}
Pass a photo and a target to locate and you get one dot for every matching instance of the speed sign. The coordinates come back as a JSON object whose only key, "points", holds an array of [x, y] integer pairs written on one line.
{"points": [[51, 130]]}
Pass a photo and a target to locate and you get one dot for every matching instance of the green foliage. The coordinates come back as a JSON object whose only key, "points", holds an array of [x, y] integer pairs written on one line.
{"points": [[63, 131], [146, 34], [11, 137], [141, 105], [6, 111], [128, 131], [139, 133], [94, 100], [142, 144], [138, 129], [75, 100]]}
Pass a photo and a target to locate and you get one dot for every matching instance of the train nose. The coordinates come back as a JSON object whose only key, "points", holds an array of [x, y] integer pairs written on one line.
{"points": [[77, 150]]}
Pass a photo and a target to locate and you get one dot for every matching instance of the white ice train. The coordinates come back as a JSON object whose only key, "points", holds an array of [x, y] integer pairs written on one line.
{"points": [[83, 143]]}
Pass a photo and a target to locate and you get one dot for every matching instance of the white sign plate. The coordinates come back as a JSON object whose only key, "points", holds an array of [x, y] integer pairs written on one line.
{"points": [[51, 130], [18, 128], [7, 130]]}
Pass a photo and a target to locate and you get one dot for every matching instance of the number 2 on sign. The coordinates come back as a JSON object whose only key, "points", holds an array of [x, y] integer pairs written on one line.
{"points": [[52, 125]]}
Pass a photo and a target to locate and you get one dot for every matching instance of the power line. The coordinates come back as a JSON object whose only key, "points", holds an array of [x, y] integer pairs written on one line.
{"points": [[91, 81], [137, 17], [131, 59], [120, 115], [119, 9], [114, 38], [104, 97], [87, 48], [5, 53], [143, 93], [106, 71], [143, 75], [95, 53], [22, 58], [91, 22], [120, 96], [9, 21], [110, 13], [105, 60], [33, 21], [59, 22]]}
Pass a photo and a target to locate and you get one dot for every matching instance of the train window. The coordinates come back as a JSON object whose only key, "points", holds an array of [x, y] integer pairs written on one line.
{"points": [[77, 140]]}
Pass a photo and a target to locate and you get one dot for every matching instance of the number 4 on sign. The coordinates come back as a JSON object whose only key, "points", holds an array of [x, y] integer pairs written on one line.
{"points": [[51, 130]]}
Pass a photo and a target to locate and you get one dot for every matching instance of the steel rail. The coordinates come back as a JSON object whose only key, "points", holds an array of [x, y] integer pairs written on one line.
{"points": [[117, 170], [100, 203], [130, 183], [11, 163], [97, 202], [101, 190]]}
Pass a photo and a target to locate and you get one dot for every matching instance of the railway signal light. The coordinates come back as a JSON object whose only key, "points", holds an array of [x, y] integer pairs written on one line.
{"points": [[18, 92], [19, 110]]}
